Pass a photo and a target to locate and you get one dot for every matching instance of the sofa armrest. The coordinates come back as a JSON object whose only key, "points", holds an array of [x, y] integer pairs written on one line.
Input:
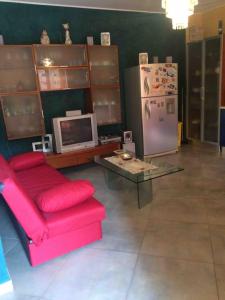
{"points": [[25, 210], [27, 160]]}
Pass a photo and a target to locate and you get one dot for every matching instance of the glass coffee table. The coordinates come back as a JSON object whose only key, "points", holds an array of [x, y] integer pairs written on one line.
{"points": [[140, 172]]}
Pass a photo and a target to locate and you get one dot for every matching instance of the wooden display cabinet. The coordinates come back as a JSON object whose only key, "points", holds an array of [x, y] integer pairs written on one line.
{"points": [[61, 67], [105, 86], [20, 100]]}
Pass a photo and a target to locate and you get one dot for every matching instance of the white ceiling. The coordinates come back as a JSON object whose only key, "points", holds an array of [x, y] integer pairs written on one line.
{"points": [[130, 5]]}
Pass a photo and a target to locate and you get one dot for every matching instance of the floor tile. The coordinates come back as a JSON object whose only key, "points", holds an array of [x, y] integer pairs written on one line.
{"points": [[169, 279], [216, 210], [218, 241], [7, 229], [183, 208], [29, 280], [14, 296], [220, 276], [9, 244], [178, 240], [93, 274], [130, 218], [121, 236]]}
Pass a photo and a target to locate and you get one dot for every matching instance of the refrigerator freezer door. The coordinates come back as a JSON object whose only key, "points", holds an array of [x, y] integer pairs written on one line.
{"points": [[159, 120], [158, 79]]}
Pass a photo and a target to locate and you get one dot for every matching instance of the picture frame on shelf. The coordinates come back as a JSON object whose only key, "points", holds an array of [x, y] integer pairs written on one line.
{"points": [[105, 39], [155, 59], [90, 40], [143, 58], [169, 59], [1, 39], [127, 137], [45, 145]]}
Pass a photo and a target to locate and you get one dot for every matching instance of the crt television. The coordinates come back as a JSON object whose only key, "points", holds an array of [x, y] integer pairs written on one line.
{"points": [[74, 133]]}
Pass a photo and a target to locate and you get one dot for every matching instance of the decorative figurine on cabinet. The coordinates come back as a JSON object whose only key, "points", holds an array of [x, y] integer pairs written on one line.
{"points": [[45, 38], [68, 40]]}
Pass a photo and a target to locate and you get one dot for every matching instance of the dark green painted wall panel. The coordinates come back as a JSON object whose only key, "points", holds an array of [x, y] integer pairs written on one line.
{"points": [[132, 32]]}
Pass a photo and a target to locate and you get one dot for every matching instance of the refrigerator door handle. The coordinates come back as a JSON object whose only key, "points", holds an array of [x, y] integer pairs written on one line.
{"points": [[146, 86], [147, 110]]}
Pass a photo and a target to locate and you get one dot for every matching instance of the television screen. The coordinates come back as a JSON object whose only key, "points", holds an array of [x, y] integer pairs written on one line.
{"points": [[76, 131]]}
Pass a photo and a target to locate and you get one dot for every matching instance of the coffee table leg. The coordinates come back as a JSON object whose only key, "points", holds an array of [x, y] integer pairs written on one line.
{"points": [[113, 180], [144, 189], [144, 193]]}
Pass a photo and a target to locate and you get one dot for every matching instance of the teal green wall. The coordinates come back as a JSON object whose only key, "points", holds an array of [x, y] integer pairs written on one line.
{"points": [[132, 32]]}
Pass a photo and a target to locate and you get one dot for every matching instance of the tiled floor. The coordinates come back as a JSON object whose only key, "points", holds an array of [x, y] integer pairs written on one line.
{"points": [[172, 249]]}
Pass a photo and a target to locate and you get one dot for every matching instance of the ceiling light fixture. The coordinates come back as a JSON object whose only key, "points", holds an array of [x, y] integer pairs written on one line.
{"points": [[179, 11]]}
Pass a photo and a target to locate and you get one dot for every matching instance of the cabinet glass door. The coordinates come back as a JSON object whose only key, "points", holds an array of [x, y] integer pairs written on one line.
{"points": [[106, 105], [60, 55], [23, 116], [104, 69], [51, 79], [212, 81], [17, 72], [194, 90]]}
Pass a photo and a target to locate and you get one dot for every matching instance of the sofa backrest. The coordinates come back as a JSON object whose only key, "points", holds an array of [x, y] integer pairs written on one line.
{"points": [[23, 208]]}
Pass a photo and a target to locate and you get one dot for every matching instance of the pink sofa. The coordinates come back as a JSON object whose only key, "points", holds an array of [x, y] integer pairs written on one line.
{"points": [[25, 182]]}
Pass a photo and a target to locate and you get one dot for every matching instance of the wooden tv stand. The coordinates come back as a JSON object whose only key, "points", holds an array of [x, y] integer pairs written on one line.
{"points": [[79, 157]]}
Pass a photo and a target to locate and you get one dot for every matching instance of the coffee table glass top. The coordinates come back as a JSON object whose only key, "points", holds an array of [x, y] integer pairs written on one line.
{"points": [[157, 168]]}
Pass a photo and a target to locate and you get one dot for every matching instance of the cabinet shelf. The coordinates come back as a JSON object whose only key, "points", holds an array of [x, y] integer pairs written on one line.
{"points": [[24, 93], [28, 68], [22, 115], [105, 86], [25, 136], [78, 87], [109, 123], [62, 67], [104, 66], [104, 104]]}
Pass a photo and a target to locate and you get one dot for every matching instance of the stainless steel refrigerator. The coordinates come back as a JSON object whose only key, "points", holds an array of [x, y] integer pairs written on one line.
{"points": [[151, 107]]}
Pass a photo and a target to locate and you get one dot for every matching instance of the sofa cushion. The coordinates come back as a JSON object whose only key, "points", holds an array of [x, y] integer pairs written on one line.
{"points": [[76, 217], [26, 160], [65, 195], [39, 179]]}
